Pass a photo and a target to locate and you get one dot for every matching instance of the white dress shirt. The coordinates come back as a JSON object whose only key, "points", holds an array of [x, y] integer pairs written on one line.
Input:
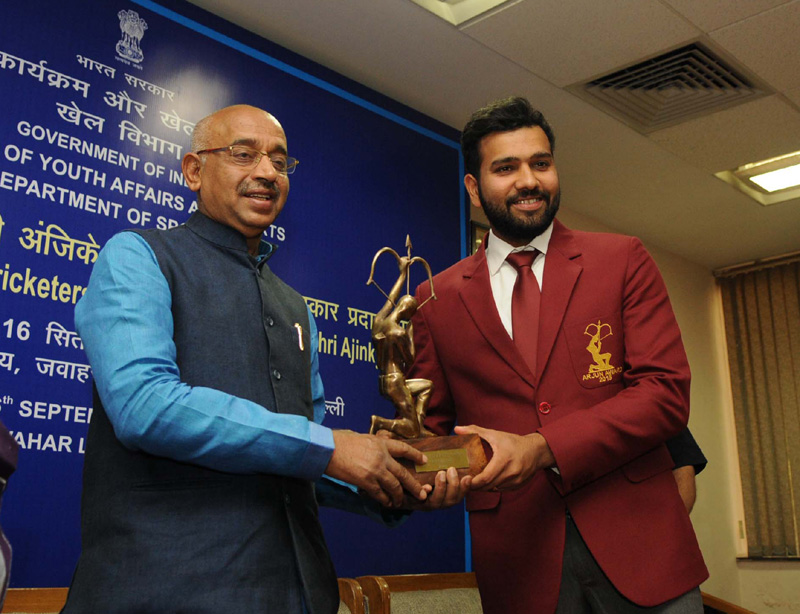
{"points": [[503, 275]]}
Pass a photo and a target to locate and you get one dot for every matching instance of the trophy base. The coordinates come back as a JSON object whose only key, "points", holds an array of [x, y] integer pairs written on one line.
{"points": [[467, 453]]}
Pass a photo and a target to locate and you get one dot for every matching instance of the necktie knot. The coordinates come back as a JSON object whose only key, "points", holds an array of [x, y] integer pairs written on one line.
{"points": [[519, 260]]}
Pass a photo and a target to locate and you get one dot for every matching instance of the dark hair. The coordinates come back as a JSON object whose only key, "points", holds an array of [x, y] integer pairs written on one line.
{"points": [[499, 116]]}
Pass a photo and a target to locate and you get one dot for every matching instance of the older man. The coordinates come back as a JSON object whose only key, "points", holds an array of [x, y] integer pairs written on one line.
{"points": [[205, 442]]}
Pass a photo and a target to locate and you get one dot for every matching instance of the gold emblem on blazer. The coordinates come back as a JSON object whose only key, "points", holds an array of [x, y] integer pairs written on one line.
{"points": [[602, 369]]}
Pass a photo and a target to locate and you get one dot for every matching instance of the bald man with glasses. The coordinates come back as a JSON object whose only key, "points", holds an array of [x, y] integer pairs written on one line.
{"points": [[206, 441]]}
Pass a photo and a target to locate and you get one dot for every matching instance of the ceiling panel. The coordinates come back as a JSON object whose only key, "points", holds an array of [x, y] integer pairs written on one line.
{"points": [[794, 96], [566, 41], [398, 49], [763, 129], [712, 14], [767, 44]]}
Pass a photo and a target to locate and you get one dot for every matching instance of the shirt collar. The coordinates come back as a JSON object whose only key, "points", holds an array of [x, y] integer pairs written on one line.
{"points": [[225, 236], [497, 250]]}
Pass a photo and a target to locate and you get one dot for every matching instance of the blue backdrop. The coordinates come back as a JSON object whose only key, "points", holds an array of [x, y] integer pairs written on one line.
{"points": [[97, 104]]}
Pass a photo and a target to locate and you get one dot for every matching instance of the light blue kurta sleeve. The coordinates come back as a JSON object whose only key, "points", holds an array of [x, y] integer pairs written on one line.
{"points": [[125, 322]]}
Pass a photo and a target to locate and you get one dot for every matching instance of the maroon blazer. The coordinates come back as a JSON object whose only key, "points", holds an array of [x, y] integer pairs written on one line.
{"points": [[612, 386]]}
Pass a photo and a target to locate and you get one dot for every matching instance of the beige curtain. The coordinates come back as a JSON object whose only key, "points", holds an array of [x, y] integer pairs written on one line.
{"points": [[762, 322]]}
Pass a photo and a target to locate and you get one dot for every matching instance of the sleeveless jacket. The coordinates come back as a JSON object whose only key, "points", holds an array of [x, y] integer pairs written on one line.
{"points": [[165, 536]]}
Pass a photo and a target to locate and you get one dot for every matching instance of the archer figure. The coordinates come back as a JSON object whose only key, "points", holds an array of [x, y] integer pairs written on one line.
{"points": [[595, 347], [394, 352]]}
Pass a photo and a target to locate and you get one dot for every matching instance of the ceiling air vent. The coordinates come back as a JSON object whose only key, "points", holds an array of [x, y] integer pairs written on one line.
{"points": [[669, 89]]}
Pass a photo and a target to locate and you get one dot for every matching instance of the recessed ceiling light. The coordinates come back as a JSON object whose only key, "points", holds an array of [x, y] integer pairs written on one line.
{"points": [[768, 181], [458, 11], [781, 179]]}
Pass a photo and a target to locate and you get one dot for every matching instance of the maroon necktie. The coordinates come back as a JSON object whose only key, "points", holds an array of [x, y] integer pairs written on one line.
{"points": [[525, 306]]}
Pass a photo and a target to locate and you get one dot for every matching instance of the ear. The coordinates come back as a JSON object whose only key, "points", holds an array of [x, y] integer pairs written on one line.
{"points": [[192, 170], [471, 183]]}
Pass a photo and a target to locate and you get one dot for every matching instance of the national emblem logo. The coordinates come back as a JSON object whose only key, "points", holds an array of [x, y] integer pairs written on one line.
{"points": [[133, 28]]}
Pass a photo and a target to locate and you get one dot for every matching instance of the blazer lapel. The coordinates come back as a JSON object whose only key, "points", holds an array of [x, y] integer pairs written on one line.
{"points": [[476, 294], [561, 273]]}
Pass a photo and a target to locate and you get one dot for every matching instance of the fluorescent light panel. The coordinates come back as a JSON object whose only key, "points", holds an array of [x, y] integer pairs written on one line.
{"points": [[768, 181], [778, 180]]}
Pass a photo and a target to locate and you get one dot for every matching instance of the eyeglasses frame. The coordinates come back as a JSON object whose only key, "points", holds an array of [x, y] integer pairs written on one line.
{"points": [[291, 162]]}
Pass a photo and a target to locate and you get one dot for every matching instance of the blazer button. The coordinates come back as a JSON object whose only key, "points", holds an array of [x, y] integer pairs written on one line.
{"points": [[276, 374], [544, 407]]}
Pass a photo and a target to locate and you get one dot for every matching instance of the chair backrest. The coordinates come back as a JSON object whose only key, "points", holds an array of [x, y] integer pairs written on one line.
{"points": [[351, 597], [51, 600], [445, 593], [35, 600]]}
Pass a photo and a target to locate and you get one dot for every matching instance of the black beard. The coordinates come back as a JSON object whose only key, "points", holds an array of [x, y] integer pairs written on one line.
{"points": [[520, 230]]}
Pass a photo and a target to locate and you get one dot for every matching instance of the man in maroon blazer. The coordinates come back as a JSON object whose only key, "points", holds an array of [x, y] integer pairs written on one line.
{"points": [[577, 510]]}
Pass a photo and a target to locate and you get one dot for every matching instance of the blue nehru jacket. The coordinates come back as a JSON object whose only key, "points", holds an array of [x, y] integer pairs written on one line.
{"points": [[205, 438]]}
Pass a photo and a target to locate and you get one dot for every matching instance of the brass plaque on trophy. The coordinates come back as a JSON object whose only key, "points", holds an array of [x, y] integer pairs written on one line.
{"points": [[393, 341], [441, 460]]}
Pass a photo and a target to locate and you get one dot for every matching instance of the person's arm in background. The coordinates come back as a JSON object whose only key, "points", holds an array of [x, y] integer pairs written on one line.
{"points": [[689, 461]]}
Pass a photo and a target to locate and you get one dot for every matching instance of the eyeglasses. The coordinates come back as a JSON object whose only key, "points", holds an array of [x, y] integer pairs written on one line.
{"points": [[247, 157]]}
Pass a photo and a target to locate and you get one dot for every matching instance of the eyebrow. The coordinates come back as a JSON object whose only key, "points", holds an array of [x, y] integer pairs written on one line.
{"points": [[503, 161], [252, 143], [537, 156]]}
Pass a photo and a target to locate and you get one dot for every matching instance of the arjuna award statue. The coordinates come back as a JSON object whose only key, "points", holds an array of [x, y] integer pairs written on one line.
{"points": [[394, 354]]}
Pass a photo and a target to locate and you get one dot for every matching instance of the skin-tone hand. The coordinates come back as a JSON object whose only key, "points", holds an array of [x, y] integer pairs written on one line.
{"points": [[515, 459], [448, 489], [368, 462], [687, 486]]}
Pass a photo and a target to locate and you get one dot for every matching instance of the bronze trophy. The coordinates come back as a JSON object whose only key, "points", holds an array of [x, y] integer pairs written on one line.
{"points": [[393, 341]]}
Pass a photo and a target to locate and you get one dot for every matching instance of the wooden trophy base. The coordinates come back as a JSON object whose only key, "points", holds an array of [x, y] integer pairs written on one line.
{"points": [[467, 453]]}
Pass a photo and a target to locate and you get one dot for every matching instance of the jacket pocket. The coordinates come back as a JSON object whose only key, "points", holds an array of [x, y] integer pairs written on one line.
{"points": [[597, 349], [649, 464]]}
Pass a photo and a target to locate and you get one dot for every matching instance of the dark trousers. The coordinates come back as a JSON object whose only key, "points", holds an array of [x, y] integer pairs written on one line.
{"points": [[585, 589]]}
